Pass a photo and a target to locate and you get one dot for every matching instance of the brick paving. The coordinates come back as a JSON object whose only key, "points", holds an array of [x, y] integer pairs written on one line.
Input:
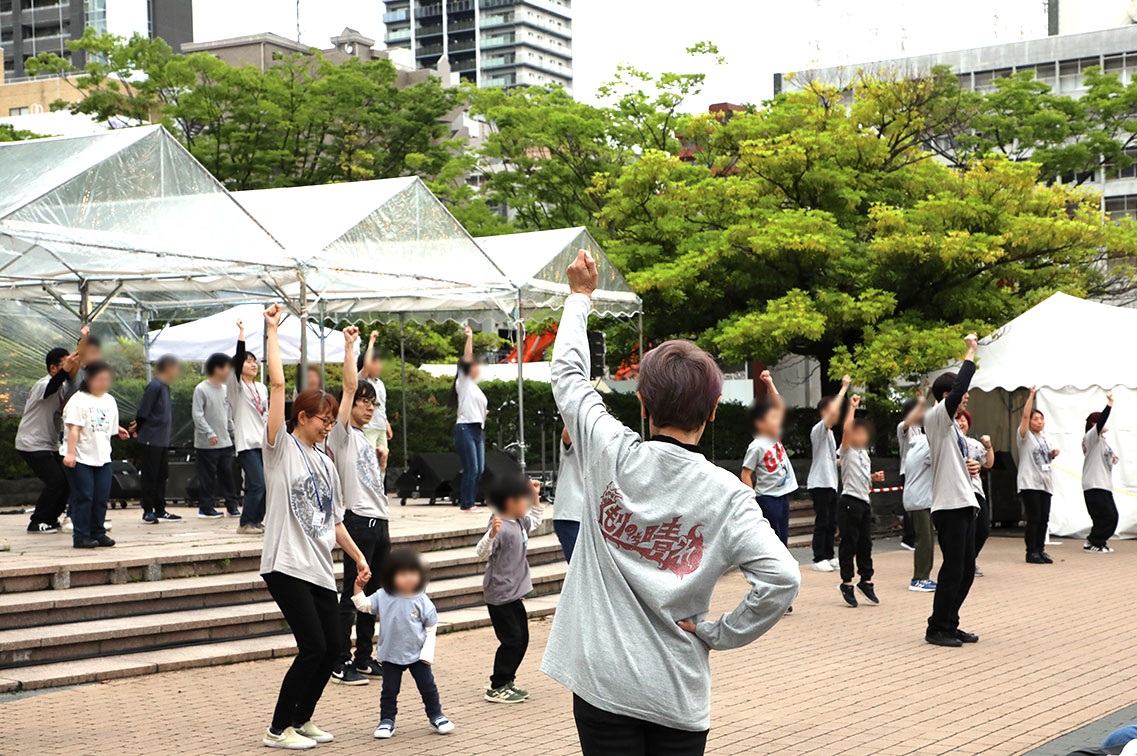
{"points": [[1056, 652]]}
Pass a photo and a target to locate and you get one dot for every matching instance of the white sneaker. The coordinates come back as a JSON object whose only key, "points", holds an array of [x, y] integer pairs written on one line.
{"points": [[310, 730], [67, 527], [442, 725], [823, 566], [289, 740], [385, 730], [836, 563]]}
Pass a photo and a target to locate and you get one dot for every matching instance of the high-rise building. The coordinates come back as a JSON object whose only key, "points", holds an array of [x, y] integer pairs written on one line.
{"points": [[493, 43], [31, 27]]}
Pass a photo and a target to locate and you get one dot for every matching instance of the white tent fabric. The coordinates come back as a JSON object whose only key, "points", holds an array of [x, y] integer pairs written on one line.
{"points": [[1074, 351], [194, 342]]}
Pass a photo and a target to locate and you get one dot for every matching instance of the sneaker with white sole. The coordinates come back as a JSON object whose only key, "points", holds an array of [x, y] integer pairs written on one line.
{"points": [[386, 729], [823, 566], [836, 563], [922, 586], [506, 694], [43, 527], [67, 527], [310, 730], [289, 740], [441, 725], [347, 674], [1091, 549], [907, 546]]}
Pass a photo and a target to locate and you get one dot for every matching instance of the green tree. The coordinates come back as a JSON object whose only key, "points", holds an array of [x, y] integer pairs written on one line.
{"points": [[9, 133]]}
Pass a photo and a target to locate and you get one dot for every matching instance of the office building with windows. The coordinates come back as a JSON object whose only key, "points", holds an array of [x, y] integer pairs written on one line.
{"points": [[493, 43]]}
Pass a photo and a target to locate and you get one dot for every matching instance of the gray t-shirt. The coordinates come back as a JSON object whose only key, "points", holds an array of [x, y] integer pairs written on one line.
{"points": [[856, 473], [507, 571], [303, 504], [951, 483], [211, 416], [1097, 466], [660, 525], [773, 474], [823, 467], [917, 469], [41, 425], [248, 403], [378, 420], [904, 436], [570, 487], [977, 452], [1035, 453], [403, 621], [358, 468]]}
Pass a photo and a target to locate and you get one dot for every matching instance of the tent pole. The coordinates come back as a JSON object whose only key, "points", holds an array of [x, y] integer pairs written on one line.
{"points": [[520, 381], [144, 324], [640, 321], [84, 303], [302, 369], [323, 356], [403, 371]]}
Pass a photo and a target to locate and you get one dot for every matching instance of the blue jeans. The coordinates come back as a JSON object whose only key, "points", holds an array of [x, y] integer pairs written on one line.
{"points": [[469, 442], [90, 489], [566, 531], [777, 511], [253, 470]]}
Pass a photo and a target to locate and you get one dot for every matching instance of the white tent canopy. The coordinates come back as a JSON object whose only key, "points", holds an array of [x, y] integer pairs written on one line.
{"points": [[1074, 351], [196, 341]]}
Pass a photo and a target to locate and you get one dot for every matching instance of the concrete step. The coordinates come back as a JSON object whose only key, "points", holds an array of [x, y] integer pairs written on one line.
{"points": [[227, 652], [94, 602], [132, 634]]}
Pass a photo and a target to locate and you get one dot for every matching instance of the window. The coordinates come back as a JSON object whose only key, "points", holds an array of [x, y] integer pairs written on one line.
{"points": [[19, 111], [1125, 206]]}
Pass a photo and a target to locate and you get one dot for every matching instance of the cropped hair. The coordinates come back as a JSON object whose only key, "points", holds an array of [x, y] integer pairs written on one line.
{"points": [[1037, 411], [863, 423], [54, 357], [680, 385], [942, 386], [824, 402], [908, 406], [759, 408], [311, 402], [216, 361], [402, 560], [94, 341], [95, 368], [165, 362], [509, 486]]}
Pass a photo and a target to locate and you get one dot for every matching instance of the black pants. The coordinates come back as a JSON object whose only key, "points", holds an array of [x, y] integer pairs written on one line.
{"points": [[154, 464], [1037, 506], [52, 501], [824, 522], [393, 681], [511, 626], [1103, 511], [603, 733], [956, 531], [215, 465], [311, 614], [982, 524], [855, 519], [373, 538]]}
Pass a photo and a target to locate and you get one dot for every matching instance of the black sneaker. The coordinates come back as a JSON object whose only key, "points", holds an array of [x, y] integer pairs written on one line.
{"points": [[149, 518], [966, 637], [104, 541], [43, 527], [867, 589], [209, 514], [1033, 557], [848, 595], [789, 610], [347, 674], [940, 638], [234, 512], [168, 517], [1046, 559], [369, 668], [85, 543]]}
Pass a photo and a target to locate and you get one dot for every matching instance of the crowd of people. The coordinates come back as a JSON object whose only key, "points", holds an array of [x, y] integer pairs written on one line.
{"points": [[648, 525]]}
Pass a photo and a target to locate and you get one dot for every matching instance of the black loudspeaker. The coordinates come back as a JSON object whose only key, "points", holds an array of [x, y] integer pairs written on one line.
{"points": [[598, 353], [430, 474], [182, 473], [126, 483], [1001, 479], [498, 463]]}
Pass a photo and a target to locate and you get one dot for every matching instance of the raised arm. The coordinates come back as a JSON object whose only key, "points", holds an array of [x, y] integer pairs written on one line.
{"points": [[1105, 412], [81, 348], [350, 375], [964, 376], [771, 389], [277, 393], [239, 352], [833, 414], [1028, 408], [468, 353], [370, 352], [850, 416]]}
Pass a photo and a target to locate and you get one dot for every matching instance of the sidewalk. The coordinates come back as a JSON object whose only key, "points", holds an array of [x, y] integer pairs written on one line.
{"points": [[1056, 652]]}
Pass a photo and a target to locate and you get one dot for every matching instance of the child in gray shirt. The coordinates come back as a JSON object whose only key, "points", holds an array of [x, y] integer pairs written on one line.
{"points": [[517, 514]]}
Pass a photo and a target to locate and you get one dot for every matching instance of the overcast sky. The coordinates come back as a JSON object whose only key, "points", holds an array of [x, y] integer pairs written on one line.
{"points": [[757, 37]]}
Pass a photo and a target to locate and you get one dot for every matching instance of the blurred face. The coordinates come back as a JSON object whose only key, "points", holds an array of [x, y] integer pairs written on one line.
{"points": [[313, 378], [1037, 422], [99, 384], [315, 429], [171, 373], [92, 354], [771, 425], [475, 371], [250, 368], [221, 374], [516, 507], [375, 367], [858, 437], [961, 421], [362, 411], [406, 582]]}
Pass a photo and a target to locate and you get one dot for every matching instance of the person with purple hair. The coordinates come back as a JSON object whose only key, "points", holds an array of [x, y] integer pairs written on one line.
{"points": [[660, 524]]}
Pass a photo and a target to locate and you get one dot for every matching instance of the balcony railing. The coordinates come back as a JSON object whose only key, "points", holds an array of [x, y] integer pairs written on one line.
{"points": [[395, 16]]}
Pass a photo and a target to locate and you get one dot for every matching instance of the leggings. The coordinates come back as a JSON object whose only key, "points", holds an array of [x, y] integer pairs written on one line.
{"points": [[311, 613], [393, 681], [1037, 506], [1103, 511], [603, 733], [982, 523]]}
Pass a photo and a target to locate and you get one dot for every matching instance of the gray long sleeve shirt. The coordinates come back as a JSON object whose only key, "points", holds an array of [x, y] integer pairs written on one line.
{"points": [[660, 525], [211, 416]]}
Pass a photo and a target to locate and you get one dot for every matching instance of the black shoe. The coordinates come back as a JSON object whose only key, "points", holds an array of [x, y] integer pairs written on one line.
{"points": [[867, 589], [370, 668], [104, 541], [149, 518], [1045, 557], [346, 674], [1033, 557], [848, 595], [234, 512], [940, 638], [168, 517], [966, 637], [43, 527], [85, 543], [789, 610], [209, 514]]}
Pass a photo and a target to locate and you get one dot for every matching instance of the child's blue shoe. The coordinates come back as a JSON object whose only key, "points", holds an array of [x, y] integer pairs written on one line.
{"points": [[441, 725], [386, 729]]}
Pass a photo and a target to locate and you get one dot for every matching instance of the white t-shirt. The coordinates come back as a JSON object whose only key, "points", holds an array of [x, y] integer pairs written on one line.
{"points": [[248, 404], [1034, 463], [773, 474], [1097, 467], [978, 452], [951, 483], [823, 466], [378, 419], [97, 418], [904, 437], [358, 468], [856, 473], [570, 487], [303, 504], [472, 405], [917, 469]]}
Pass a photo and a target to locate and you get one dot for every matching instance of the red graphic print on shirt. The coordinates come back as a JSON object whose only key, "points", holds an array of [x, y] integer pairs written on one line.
{"points": [[665, 544]]}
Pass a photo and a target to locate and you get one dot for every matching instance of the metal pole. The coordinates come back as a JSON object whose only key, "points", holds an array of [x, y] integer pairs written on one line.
{"points": [[323, 356], [84, 303], [403, 370], [144, 324], [520, 380], [640, 320], [302, 370]]}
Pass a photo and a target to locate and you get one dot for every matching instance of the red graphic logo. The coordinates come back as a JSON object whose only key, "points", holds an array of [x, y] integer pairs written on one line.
{"points": [[664, 544]]}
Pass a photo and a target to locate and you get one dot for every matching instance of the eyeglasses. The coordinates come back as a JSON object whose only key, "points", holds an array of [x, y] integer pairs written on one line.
{"points": [[327, 421], [366, 402]]}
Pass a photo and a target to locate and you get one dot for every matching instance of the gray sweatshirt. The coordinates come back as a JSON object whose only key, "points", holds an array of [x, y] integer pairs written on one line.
{"points": [[659, 526], [211, 416]]}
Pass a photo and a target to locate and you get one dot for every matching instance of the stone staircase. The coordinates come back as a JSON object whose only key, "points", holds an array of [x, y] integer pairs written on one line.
{"points": [[102, 617]]}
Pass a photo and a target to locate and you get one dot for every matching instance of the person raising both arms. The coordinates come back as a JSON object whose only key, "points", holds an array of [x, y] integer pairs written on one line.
{"points": [[378, 430], [822, 480], [469, 430], [248, 403], [855, 517], [1034, 480], [303, 523], [1097, 480]]}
